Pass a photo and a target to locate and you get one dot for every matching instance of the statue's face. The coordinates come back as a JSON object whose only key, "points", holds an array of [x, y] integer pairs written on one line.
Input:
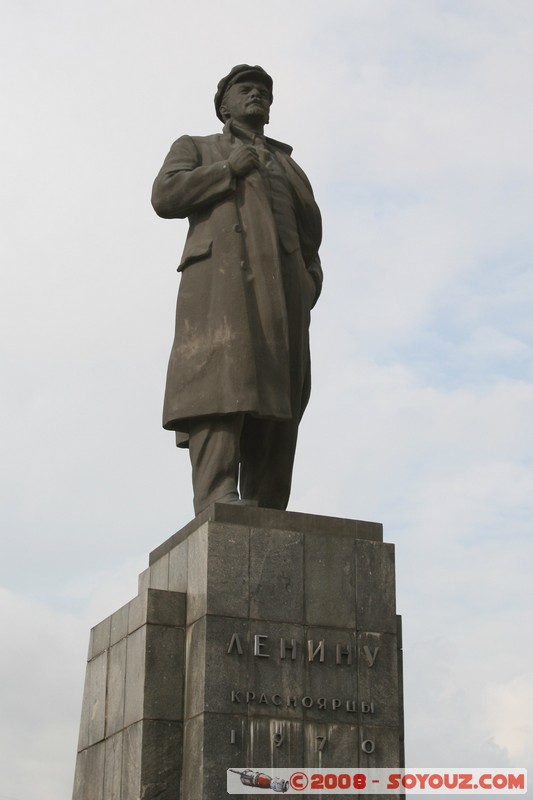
{"points": [[247, 102]]}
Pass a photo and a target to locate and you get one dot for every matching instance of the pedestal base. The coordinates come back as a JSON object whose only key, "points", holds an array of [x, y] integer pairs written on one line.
{"points": [[259, 638]]}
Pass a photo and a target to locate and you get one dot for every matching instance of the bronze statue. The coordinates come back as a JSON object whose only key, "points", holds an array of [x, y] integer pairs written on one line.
{"points": [[239, 373]]}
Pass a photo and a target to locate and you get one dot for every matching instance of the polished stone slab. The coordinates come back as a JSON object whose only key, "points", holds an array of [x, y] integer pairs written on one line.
{"points": [[252, 516], [131, 724]]}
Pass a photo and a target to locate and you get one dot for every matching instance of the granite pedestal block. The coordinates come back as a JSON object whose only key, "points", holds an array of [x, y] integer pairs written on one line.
{"points": [[259, 638]]}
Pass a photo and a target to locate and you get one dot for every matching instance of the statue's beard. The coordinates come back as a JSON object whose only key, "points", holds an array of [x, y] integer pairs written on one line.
{"points": [[256, 112]]}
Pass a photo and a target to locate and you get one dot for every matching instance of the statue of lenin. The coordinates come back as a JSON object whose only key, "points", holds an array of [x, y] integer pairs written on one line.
{"points": [[239, 373]]}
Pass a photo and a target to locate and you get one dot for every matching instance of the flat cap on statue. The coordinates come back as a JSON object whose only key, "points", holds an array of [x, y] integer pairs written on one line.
{"points": [[240, 73]]}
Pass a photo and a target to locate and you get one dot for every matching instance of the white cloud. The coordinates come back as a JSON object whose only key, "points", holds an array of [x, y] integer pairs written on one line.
{"points": [[468, 688], [509, 705], [42, 680]]}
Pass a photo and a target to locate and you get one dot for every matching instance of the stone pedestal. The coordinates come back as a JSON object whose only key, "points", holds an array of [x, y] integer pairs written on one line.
{"points": [[259, 638]]}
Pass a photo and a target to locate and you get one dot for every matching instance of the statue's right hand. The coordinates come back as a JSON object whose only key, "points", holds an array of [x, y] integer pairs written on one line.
{"points": [[243, 160]]}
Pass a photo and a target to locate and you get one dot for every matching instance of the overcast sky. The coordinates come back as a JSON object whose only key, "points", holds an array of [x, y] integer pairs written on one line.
{"points": [[414, 122]]}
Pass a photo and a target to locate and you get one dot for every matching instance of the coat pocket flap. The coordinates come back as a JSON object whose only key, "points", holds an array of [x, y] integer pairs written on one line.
{"points": [[195, 250]]}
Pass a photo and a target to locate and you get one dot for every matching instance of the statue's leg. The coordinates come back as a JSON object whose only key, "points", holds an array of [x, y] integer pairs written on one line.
{"points": [[267, 457], [214, 451]]}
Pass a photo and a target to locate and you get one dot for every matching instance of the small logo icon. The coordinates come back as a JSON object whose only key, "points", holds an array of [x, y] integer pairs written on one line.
{"points": [[261, 781]]}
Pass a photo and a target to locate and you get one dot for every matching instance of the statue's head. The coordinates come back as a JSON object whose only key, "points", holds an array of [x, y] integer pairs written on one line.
{"points": [[243, 94]]}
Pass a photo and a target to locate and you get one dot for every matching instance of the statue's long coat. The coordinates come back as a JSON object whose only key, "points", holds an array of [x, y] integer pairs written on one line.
{"points": [[242, 316]]}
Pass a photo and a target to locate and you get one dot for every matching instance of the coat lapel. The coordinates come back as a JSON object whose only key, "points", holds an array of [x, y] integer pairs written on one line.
{"points": [[226, 142]]}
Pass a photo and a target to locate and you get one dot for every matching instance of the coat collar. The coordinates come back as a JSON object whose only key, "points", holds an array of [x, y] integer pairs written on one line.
{"points": [[233, 134]]}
